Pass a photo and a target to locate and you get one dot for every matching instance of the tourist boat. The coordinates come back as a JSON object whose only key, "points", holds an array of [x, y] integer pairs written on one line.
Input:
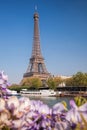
{"points": [[43, 93], [13, 93]]}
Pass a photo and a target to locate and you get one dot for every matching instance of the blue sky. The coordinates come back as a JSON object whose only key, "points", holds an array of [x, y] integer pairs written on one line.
{"points": [[63, 36]]}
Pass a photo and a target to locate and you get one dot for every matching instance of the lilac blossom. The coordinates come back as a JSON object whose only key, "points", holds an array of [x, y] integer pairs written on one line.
{"points": [[25, 114], [3, 84]]}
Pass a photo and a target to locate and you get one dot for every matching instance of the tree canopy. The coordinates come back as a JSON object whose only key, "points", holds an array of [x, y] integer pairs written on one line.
{"points": [[77, 80], [32, 82]]}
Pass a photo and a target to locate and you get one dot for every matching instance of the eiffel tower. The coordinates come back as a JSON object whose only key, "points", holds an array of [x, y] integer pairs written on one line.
{"points": [[36, 66]]}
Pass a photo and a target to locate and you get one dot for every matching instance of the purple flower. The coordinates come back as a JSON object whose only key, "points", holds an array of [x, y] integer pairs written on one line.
{"points": [[73, 104], [58, 108], [3, 84], [62, 126], [73, 114], [12, 103], [3, 77]]}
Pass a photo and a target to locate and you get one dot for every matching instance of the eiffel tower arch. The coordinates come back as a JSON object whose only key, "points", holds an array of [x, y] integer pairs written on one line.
{"points": [[36, 67]]}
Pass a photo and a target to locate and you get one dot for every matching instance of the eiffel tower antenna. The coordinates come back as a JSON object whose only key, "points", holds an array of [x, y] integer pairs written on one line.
{"points": [[35, 8]]}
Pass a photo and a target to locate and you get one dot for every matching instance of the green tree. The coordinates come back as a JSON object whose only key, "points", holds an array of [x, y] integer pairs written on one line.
{"points": [[15, 87], [51, 83], [35, 83], [69, 82], [25, 82], [57, 81], [32, 82], [80, 79]]}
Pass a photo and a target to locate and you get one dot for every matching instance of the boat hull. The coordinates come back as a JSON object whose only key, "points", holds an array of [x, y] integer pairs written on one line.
{"points": [[43, 93]]}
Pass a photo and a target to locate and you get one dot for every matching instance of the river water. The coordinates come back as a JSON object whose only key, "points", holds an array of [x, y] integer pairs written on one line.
{"points": [[50, 101]]}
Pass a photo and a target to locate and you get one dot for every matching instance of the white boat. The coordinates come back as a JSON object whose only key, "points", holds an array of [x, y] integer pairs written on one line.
{"points": [[43, 92], [13, 93]]}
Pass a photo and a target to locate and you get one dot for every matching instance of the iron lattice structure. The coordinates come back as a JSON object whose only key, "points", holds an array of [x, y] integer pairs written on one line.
{"points": [[36, 66]]}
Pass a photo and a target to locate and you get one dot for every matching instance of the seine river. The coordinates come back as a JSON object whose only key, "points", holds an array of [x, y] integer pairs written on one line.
{"points": [[53, 100]]}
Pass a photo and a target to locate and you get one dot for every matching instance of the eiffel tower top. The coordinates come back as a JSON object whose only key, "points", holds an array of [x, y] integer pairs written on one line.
{"points": [[36, 50]]}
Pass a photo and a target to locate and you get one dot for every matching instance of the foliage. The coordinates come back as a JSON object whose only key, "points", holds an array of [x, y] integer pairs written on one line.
{"points": [[80, 100], [77, 80], [64, 103], [82, 127], [35, 83], [17, 87], [69, 82], [51, 83], [32, 82], [57, 81], [25, 82], [80, 79], [6, 128]]}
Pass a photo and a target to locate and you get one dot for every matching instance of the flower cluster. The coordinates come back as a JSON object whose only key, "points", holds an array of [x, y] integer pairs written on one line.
{"points": [[4, 84], [25, 114]]}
